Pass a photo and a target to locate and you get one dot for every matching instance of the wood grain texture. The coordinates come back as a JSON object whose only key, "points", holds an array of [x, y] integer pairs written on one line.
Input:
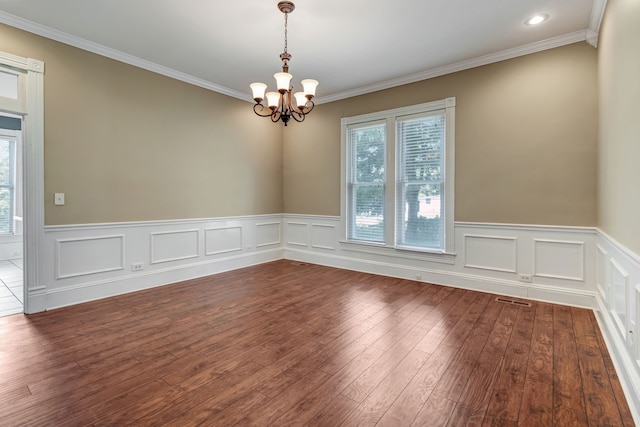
{"points": [[285, 344]]}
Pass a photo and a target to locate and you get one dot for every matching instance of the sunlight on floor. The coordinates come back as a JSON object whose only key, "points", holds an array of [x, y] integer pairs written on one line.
{"points": [[11, 292]]}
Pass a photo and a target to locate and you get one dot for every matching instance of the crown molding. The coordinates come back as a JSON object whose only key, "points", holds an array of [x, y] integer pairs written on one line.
{"points": [[527, 49], [62, 37], [597, 13], [590, 34]]}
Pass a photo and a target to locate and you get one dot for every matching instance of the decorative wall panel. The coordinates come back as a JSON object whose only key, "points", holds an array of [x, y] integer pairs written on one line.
{"points": [[323, 236], [490, 252], [267, 234], [297, 233], [222, 240], [173, 245], [559, 259], [89, 255]]}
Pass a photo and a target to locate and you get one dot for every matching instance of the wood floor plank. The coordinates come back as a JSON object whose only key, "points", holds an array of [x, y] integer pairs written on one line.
{"points": [[287, 343], [453, 381], [436, 411], [568, 399], [270, 412], [506, 397], [414, 396], [537, 399], [373, 408], [601, 405], [474, 401], [315, 401], [333, 414]]}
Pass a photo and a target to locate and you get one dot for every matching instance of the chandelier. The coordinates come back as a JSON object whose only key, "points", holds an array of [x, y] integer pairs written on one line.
{"points": [[281, 105]]}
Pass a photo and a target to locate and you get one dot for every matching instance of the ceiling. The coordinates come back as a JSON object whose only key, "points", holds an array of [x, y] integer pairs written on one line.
{"points": [[351, 47]]}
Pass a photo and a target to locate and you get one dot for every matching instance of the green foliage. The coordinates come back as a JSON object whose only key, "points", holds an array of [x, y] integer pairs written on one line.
{"points": [[369, 156]]}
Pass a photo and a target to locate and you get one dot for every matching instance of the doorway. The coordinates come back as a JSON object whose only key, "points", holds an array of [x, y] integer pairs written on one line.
{"points": [[11, 216], [22, 97]]}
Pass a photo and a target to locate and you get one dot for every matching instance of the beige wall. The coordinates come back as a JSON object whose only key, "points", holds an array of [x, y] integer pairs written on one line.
{"points": [[526, 140], [619, 148], [125, 144]]}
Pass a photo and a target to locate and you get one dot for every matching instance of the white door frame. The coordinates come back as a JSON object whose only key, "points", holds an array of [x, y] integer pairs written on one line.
{"points": [[30, 105]]}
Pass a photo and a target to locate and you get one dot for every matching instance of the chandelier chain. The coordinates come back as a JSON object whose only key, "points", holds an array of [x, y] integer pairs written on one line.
{"points": [[286, 15]]}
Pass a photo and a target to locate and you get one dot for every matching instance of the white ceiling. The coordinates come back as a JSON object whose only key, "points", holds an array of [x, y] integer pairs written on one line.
{"points": [[351, 47]]}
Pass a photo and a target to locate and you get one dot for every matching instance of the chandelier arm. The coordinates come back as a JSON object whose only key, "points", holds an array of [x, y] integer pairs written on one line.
{"points": [[275, 116], [298, 116], [308, 109], [261, 113]]}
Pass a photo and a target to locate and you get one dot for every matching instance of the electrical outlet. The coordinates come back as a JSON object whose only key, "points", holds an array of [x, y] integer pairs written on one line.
{"points": [[58, 199], [418, 276], [525, 278], [136, 266]]}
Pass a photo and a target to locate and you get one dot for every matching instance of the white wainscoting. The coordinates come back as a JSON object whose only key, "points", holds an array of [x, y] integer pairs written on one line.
{"points": [[556, 262], [618, 299], [88, 262]]}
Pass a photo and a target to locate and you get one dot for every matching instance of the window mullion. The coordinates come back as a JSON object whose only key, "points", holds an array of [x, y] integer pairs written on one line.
{"points": [[390, 187]]}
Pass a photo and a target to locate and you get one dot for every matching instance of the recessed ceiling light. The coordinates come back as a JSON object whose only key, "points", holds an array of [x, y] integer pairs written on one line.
{"points": [[536, 19]]}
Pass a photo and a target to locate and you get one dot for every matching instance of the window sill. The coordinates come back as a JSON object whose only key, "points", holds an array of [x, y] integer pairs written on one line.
{"points": [[398, 252]]}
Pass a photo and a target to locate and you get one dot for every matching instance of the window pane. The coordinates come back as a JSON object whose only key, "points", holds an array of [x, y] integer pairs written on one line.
{"points": [[5, 162], [6, 211], [366, 173], [6, 185], [368, 154], [368, 203], [419, 199]]}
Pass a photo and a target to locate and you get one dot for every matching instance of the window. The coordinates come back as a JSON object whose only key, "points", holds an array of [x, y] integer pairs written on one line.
{"points": [[366, 183], [9, 186], [398, 177]]}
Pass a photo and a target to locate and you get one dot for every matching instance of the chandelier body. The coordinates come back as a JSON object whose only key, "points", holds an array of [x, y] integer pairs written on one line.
{"points": [[284, 104]]}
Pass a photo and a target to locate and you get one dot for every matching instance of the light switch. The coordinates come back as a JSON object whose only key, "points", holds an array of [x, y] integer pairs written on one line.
{"points": [[58, 199]]}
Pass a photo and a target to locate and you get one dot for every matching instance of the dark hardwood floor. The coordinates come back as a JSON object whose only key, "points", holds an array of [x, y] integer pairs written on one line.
{"points": [[291, 344]]}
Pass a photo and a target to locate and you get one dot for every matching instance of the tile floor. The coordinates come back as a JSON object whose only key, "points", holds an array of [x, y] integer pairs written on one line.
{"points": [[11, 293]]}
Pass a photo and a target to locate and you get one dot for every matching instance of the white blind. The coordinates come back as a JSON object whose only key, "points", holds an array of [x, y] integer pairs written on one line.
{"points": [[366, 182], [420, 184], [7, 176]]}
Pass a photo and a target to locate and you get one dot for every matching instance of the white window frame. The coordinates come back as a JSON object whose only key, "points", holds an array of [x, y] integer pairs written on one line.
{"points": [[390, 247]]}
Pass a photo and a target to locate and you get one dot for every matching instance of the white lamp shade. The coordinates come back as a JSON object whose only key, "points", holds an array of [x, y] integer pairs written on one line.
{"points": [[309, 86], [258, 90], [283, 80], [273, 99], [301, 100]]}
